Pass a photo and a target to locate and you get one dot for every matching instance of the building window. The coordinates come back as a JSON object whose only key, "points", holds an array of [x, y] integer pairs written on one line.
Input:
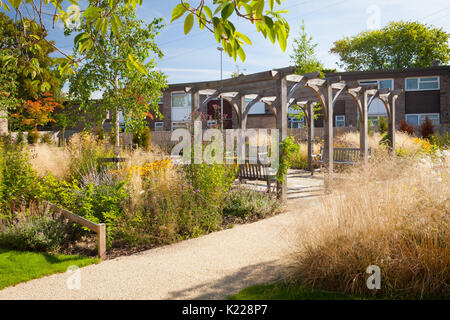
{"points": [[422, 84], [296, 123], [159, 126], [340, 121], [381, 83], [418, 119], [181, 100], [211, 123]]}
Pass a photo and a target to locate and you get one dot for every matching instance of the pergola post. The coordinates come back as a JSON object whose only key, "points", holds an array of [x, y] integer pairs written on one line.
{"points": [[364, 128], [281, 88], [195, 103], [242, 112], [310, 125], [328, 137], [391, 126]]}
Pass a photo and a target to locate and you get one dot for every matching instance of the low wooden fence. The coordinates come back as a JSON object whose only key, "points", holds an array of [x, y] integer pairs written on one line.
{"points": [[100, 229]]}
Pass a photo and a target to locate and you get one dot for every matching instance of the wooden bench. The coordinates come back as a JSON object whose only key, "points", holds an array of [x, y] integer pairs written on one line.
{"points": [[256, 172], [341, 156]]}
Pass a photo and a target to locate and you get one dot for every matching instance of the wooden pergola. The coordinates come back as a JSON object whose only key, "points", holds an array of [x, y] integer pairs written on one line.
{"points": [[280, 89]]}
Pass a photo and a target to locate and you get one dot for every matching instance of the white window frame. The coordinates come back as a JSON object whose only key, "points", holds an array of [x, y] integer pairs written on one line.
{"points": [[422, 116], [159, 126], [419, 81], [300, 123], [342, 118], [210, 123], [179, 93], [377, 81]]}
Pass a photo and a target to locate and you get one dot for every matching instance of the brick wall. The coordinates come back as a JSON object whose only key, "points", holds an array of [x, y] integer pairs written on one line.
{"points": [[445, 99]]}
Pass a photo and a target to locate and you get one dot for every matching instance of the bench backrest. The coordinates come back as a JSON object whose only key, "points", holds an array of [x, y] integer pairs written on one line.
{"points": [[346, 155], [254, 171]]}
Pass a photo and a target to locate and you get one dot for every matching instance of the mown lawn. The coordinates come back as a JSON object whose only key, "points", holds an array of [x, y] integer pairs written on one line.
{"points": [[20, 266], [283, 291]]}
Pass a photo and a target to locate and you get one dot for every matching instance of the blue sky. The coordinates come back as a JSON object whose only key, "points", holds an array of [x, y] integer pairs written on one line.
{"points": [[194, 57]]}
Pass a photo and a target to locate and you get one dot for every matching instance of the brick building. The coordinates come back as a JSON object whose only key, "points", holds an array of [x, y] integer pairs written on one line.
{"points": [[426, 93]]}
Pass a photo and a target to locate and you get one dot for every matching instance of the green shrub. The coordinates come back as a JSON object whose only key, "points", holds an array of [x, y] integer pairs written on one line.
{"points": [[33, 136], [250, 203], [142, 139], [100, 134], [20, 139], [440, 141], [18, 182], [34, 234], [47, 138], [181, 204], [382, 125], [299, 158]]}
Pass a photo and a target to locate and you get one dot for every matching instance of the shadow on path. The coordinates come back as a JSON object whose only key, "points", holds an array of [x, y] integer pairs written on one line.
{"points": [[233, 283]]}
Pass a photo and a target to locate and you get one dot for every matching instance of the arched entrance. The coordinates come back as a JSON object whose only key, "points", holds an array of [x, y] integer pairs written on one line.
{"points": [[214, 112]]}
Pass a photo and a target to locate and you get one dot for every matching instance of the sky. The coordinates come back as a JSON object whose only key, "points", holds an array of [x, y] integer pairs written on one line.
{"points": [[194, 57]]}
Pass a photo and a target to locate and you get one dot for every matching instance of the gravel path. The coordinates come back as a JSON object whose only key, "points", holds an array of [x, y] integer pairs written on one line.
{"points": [[210, 267]]}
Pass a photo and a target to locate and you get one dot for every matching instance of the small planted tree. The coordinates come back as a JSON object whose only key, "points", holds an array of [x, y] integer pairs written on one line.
{"points": [[305, 60], [130, 88], [405, 127], [426, 128]]}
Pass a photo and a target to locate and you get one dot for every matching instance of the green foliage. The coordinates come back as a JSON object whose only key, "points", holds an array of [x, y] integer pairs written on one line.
{"points": [[440, 141], [299, 159], [143, 138], [26, 55], [134, 88], [104, 17], [19, 266], [180, 209], [17, 178], [287, 148], [304, 53], [33, 136], [8, 83], [33, 234], [269, 22], [47, 138], [399, 45], [385, 138], [382, 125], [247, 203], [20, 138]]}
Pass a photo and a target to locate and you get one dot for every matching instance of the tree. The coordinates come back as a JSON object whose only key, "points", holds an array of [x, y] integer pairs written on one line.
{"points": [[399, 45], [67, 116], [305, 60], [126, 89], [36, 113], [304, 56]]}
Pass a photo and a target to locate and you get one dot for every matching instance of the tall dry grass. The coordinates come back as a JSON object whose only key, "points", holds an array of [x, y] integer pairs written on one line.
{"points": [[49, 159], [393, 214]]}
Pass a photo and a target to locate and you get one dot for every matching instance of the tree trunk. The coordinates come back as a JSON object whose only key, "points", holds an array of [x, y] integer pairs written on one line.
{"points": [[117, 142]]}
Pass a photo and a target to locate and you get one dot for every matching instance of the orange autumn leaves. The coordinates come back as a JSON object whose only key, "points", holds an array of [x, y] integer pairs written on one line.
{"points": [[38, 112]]}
